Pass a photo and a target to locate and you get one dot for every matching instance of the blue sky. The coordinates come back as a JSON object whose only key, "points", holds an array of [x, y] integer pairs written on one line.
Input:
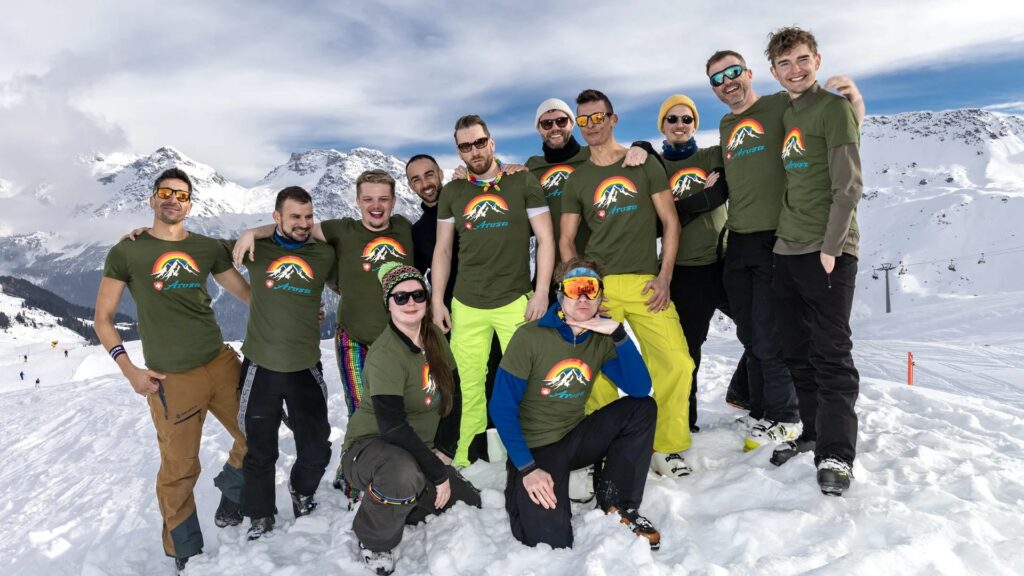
{"points": [[241, 85]]}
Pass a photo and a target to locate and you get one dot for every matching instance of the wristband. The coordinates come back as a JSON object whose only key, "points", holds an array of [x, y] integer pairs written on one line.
{"points": [[117, 351], [619, 335]]}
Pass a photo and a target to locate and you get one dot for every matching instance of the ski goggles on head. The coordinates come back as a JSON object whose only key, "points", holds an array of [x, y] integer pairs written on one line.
{"points": [[732, 72], [402, 298], [581, 287], [165, 193]]}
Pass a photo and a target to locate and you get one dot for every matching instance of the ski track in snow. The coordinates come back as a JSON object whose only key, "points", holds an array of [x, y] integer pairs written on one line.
{"points": [[939, 480]]}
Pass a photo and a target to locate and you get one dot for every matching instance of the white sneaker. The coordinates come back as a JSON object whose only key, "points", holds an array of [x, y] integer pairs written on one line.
{"points": [[769, 431], [581, 485], [672, 465], [381, 563]]}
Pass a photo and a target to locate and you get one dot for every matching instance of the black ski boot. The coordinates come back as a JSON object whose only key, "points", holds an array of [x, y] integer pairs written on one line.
{"points": [[783, 452], [260, 526], [179, 564], [834, 476], [302, 505], [228, 513]]}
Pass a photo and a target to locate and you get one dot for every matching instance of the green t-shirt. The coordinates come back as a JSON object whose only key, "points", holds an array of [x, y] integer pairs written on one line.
{"points": [[756, 178], [360, 253], [615, 202], [494, 237], [698, 240], [395, 367], [559, 377], [552, 177], [167, 280], [827, 122], [283, 333]]}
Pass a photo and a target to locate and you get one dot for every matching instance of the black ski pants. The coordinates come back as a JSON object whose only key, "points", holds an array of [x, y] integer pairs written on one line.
{"points": [[304, 393], [697, 291], [748, 283], [814, 327], [621, 433], [395, 492]]}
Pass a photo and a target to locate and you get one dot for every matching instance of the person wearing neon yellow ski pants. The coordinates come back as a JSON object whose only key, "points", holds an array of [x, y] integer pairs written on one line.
{"points": [[664, 349], [472, 332]]}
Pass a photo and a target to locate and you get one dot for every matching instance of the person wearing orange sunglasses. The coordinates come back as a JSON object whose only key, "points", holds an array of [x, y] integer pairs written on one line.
{"points": [[622, 207], [539, 404]]}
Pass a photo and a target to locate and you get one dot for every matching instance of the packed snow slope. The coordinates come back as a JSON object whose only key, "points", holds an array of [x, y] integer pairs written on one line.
{"points": [[939, 476]]}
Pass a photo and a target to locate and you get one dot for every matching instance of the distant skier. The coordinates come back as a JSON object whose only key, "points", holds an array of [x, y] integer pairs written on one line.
{"points": [[22, 374], [37, 382], [65, 353], [26, 357]]}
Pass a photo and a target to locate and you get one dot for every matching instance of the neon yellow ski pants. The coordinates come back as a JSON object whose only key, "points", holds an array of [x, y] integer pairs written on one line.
{"points": [[665, 353], [472, 332]]}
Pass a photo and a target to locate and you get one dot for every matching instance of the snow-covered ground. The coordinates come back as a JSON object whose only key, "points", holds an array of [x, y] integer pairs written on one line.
{"points": [[939, 477]]}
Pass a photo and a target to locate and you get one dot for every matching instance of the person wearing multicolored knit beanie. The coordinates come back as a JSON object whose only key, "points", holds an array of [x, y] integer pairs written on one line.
{"points": [[400, 441]]}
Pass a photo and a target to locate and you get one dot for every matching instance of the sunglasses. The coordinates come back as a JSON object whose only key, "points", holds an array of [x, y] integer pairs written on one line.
{"points": [[165, 193], [597, 118], [581, 287], [561, 122], [402, 298], [732, 72], [672, 119], [479, 143]]}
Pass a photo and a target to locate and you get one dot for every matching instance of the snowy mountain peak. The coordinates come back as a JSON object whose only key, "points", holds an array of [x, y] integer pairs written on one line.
{"points": [[969, 126]]}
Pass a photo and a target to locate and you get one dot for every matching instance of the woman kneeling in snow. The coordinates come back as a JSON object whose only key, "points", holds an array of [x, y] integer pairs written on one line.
{"points": [[540, 391], [399, 446]]}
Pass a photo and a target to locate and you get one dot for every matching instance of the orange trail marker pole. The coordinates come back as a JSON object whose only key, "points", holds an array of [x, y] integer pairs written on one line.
{"points": [[910, 368]]}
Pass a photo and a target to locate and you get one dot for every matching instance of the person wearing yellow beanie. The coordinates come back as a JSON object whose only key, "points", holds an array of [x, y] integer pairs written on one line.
{"points": [[699, 190]]}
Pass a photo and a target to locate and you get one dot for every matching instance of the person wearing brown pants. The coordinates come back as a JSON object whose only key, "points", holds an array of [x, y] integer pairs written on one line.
{"points": [[188, 370]]}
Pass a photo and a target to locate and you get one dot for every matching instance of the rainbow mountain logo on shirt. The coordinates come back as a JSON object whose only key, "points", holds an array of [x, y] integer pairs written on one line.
{"points": [[282, 271], [380, 250], [611, 195], [169, 265], [429, 386], [482, 209], [685, 180], [793, 146], [748, 130], [565, 376], [552, 180]]}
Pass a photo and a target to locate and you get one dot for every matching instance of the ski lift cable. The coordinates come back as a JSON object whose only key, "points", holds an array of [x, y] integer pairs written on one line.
{"points": [[977, 255]]}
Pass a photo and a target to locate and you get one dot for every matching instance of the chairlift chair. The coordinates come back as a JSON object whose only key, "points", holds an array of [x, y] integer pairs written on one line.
{"points": [[874, 274], [982, 259], [952, 267]]}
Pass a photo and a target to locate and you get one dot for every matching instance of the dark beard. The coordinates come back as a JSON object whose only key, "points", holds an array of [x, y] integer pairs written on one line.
{"points": [[490, 164]]}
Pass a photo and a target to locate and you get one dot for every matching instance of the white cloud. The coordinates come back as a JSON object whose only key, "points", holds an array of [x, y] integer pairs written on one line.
{"points": [[239, 85]]}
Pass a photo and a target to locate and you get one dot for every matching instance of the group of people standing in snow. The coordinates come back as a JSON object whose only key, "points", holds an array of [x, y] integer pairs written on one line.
{"points": [[761, 227]]}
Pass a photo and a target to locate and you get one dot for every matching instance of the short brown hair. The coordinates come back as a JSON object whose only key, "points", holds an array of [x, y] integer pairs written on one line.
{"points": [[785, 39], [296, 193], [375, 176], [721, 54], [468, 121], [591, 95]]}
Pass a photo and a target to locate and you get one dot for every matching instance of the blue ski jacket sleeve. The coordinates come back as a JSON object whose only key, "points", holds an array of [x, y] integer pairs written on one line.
{"points": [[627, 369], [508, 393]]}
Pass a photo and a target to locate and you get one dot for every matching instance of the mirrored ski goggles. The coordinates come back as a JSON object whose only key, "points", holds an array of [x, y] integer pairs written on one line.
{"points": [[561, 122], [165, 193], [402, 298], [581, 287], [479, 143], [597, 118], [732, 72]]}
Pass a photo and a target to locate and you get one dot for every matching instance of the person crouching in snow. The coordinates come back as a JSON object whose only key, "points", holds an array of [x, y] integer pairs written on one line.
{"points": [[540, 391], [399, 446]]}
